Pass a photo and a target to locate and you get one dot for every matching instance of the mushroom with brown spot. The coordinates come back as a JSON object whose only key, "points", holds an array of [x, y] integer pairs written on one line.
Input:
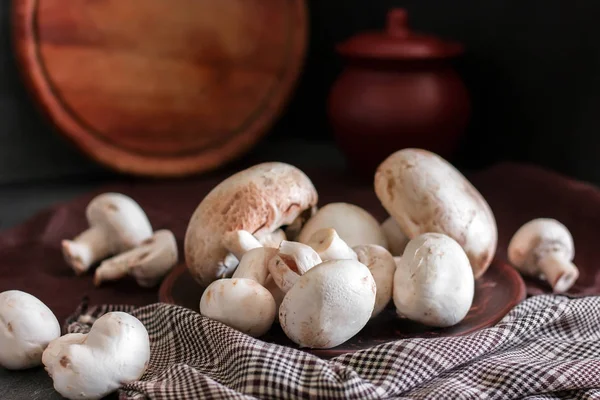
{"points": [[243, 202], [543, 248], [424, 193], [116, 224], [147, 263], [382, 266]]}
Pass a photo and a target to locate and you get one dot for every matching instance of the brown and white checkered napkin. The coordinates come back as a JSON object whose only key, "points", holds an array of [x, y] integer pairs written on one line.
{"points": [[548, 347]]}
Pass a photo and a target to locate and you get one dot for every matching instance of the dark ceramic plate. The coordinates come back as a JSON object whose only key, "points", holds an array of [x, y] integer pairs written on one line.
{"points": [[496, 293]]}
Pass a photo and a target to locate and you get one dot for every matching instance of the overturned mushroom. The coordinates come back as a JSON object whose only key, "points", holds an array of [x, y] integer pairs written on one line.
{"points": [[259, 200], [434, 282], [424, 193], [117, 224], [328, 244], [242, 302], [352, 223], [115, 352], [382, 266], [27, 325], [543, 248], [292, 260], [329, 304], [147, 263], [396, 239]]}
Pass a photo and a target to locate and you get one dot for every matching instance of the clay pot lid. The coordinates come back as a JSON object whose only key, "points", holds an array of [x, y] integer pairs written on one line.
{"points": [[398, 42]]}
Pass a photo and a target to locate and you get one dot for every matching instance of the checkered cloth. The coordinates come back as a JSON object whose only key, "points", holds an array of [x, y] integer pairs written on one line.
{"points": [[548, 347]]}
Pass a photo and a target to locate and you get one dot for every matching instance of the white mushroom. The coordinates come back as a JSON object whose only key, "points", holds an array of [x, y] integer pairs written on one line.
{"points": [[382, 266], [425, 193], [114, 353], [27, 325], [277, 293], [117, 224], [254, 264], [352, 223], [328, 244], [543, 248], [147, 263], [272, 239], [259, 200], [396, 239], [293, 259], [293, 230], [329, 304], [434, 282]]}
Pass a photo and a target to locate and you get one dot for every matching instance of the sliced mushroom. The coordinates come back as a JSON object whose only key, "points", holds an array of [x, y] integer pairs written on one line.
{"points": [[293, 259], [434, 282], [27, 326], [425, 193], [117, 224], [147, 263], [328, 244], [397, 240], [114, 353], [259, 200], [352, 223], [543, 248], [382, 266], [329, 304]]}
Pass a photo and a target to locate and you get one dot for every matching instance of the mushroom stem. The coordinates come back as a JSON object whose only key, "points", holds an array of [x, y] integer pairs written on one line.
{"points": [[86, 249], [292, 260], [254, 264], [271, 239], [559, 272], [239, 242], [328, 244]]}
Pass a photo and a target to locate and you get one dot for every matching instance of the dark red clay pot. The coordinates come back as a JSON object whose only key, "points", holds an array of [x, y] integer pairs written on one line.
{"points": [[398, 90]]}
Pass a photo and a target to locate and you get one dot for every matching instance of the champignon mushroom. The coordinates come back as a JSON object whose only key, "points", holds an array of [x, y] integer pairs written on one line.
{"points": [[27, 325], [147, 263], [115, 352], [117, 224], [329, 246], [425, 193], [382, 266], [352, 223], [292, 260], [434, 282], [277, 293], [397, 240], [544, 248], [259, 200], [254, 264], [293, 230], [329, 304]]}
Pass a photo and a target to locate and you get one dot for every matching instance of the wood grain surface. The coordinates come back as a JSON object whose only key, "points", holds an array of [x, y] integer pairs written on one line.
{"points": [[161, 88]]}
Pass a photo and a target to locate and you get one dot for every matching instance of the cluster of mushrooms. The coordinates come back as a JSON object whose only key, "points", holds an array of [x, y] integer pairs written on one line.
{"points": [[265, 253]]}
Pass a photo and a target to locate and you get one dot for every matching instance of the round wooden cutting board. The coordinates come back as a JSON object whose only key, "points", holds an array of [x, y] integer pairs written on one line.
{"points": [[161, 88]]}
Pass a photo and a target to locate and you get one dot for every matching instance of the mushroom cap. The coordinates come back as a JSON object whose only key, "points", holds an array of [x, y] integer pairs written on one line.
{"points": [[353, 224], [425, 193], [382, 266], [434, 282], [259, 199], [536, 237], [115, 352], [122, 219], [240, 303], [27, 325], [329, 304]]}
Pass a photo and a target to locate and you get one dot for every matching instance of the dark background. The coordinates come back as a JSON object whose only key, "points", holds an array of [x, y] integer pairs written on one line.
{"points": [[533, 69]]}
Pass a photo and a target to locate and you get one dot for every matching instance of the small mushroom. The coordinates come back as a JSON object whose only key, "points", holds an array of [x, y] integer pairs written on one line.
{"points": [[434, 283], [352, 223], [115, 352], [117, 223], [292, 260], [147, 263], [259, 200], [382, 266], [328, 244], [329, 304], [396, 239], [27, 325], [254, 264], [544, 248], [425, 193]]}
